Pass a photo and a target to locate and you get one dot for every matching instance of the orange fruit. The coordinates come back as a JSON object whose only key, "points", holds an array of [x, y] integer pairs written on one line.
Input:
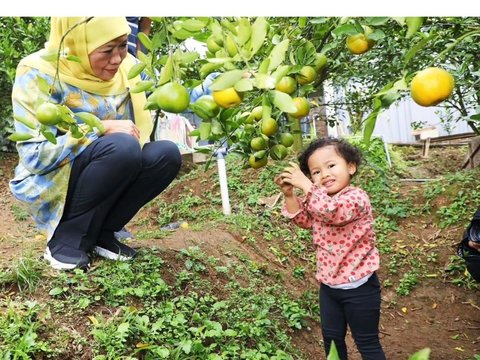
{"points": [[257, 163], [360, 43], [258, 143], [171, 97], [278, 152], [48, 114], [357, 44], [287, 85], [227, 98], [205, 107], [306, 75], [286, 139], [320, 62], [431, 86], [303, 107], [269, 127]]}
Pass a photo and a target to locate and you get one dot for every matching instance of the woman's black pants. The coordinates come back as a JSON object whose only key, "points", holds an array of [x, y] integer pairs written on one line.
{"points": [[110, 181]]}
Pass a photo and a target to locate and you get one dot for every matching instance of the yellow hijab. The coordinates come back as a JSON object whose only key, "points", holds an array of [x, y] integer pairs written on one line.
{"points": [[88, 34]]}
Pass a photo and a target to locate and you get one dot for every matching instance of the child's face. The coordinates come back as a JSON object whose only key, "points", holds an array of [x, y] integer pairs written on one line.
{"points": [[329, 169]]}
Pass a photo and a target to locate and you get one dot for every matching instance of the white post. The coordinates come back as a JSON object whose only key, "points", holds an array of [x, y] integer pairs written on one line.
{"points": [[222, 175]]}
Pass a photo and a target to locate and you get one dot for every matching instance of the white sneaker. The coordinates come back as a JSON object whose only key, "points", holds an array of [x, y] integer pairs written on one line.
{"points": [[80, 262], [115, 250]]}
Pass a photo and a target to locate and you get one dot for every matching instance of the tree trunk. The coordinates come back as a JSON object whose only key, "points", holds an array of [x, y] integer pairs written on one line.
{"points": [[319, 114]]}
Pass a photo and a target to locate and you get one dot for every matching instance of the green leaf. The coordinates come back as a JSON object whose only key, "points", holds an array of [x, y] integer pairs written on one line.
{"points": [[264, 81], [371, 120], [91, 120], [281, 71], [259, 32], [145, 40], [28, 123], [55, 291], [74, 58], [266, 108], [167, 71], [417, 47], [277, 56], [333, 354], [227, 80], [50, 56], [208, 68], [136, 70], [345, 29], [183, 34], [193, 25], [43, 85], [49, 136], [244, 31], [263, 68], [423, 354], [143, 85], [185, 57], [376, 21], [16, 136], [205, 129], [283, 101], [123, 328], [475, 117], [414, 23], [243, 85], [76, 133]]}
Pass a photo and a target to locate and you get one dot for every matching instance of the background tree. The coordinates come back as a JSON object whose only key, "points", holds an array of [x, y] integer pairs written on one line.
{"points": [[19, 36]]}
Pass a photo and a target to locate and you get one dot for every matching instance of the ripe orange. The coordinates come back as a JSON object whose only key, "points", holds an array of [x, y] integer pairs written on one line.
{"points": [[431, 86], [306, 75], [358, 44], [172, 97], [227, 98], [269, 127], [303, 107], [48, 114], [287, 85]]}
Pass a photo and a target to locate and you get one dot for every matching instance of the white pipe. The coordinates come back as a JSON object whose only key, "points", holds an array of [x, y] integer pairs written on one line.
{"points": [[222, 175]]}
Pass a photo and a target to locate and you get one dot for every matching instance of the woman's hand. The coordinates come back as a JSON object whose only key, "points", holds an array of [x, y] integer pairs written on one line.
{"points": [[121, 126], [292, 175]]}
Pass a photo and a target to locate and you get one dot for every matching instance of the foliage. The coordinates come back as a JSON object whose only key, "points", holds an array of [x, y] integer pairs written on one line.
{"points": [[19, 36]]}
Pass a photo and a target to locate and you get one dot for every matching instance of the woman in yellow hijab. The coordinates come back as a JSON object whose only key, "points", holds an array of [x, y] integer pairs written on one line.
{"points": [[80, 191]]}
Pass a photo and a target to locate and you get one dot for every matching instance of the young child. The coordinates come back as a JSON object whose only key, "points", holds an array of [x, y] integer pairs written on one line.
{"points": [[340, 216]]}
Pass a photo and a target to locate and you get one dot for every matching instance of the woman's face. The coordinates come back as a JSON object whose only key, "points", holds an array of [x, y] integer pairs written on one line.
{"points": [[106, 59]]}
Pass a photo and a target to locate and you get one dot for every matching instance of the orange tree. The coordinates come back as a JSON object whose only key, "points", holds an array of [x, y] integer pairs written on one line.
{"points": [[252, 58], [374, 80], [254, 55]]}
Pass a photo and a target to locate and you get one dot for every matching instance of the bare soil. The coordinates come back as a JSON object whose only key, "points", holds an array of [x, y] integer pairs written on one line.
{"points": [[436, 314]]}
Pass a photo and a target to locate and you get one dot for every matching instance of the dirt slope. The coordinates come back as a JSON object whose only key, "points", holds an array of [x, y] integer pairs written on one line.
{"points": [[436, 314]]}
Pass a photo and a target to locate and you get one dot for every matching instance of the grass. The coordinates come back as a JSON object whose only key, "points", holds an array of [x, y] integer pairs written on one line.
{"points": [[192, 305]]}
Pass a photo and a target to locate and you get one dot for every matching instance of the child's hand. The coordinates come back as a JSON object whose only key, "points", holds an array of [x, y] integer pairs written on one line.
{"points": [[286, 188], [294, 176]]}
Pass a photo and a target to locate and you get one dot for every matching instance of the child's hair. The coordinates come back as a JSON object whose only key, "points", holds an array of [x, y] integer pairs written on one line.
{"points": [[350, 153]]}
